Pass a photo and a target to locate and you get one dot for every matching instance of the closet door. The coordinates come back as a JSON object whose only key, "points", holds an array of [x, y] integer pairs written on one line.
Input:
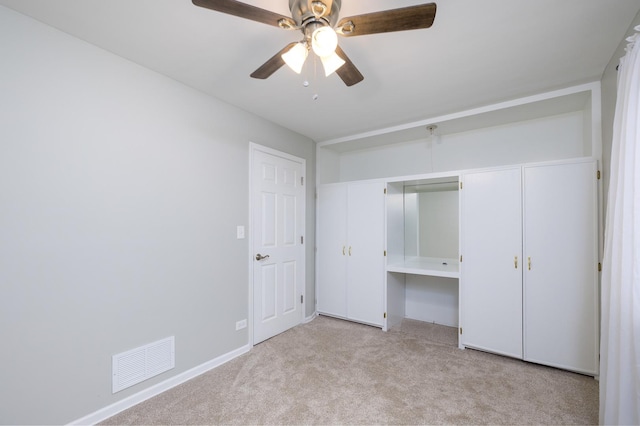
{"points": [[331, 240], [365, 236], [491, 275], [560, 277]]}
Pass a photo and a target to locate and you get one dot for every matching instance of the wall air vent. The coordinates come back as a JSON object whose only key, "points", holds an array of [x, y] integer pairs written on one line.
{"points": [[137, 365]]}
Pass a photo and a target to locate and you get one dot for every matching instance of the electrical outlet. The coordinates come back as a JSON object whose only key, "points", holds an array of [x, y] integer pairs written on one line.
{"points": [[241, 324], [240, 232]]}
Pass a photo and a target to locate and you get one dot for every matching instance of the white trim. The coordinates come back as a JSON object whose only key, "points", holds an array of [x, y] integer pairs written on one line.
{"points": [[135, 399], [596, 122], [253, 147], [249, 234], [257, 147], [596, 152], [593, 87], [310, 318]]}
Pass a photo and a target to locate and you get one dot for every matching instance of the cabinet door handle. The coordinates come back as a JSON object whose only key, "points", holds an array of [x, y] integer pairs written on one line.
{"points": [[349, 250], [515, 262], [529, 262], [343, 249]]}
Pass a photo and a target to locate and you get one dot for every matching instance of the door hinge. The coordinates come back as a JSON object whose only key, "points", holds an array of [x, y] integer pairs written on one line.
{"points": [[599, 267], [385, 253], [301, 180], [301, 298], [598, 174], [460, 330], [460, 258], [460, 185], [301, 239], [385, 315], [385, 190]]}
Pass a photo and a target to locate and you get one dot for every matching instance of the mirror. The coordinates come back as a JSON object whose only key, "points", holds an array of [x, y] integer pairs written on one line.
{"points": [[431, 210]]}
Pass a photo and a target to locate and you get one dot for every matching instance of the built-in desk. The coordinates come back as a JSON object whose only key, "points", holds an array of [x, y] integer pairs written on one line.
{"points": [[423, 267], [430, 266]]}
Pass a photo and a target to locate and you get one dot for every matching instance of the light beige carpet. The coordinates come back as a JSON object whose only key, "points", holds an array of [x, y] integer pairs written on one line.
{"points": [[337, 372]]}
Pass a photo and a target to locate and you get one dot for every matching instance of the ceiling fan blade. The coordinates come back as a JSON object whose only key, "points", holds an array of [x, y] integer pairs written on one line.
{"points": [[247, 11], [273, 64], [348, 72], [406, 18]]}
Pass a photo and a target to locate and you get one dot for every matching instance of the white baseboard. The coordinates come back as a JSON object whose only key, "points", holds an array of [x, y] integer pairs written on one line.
{"points": [[310, 318], [143, 395]]}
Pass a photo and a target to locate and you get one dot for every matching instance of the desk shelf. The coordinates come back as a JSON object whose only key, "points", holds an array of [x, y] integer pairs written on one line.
{"points": [[431, 266]]}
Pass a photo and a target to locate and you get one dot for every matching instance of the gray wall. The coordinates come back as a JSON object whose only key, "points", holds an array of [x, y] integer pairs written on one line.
{"points": [[120, 193]]}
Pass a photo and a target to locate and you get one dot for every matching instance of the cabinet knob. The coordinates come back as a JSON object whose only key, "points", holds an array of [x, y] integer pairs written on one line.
{"points": [[515, 262], [529, 262]]}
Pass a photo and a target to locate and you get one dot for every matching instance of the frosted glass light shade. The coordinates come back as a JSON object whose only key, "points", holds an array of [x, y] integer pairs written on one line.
{"points": [[324, 41], [296, 56], [331, 63]]}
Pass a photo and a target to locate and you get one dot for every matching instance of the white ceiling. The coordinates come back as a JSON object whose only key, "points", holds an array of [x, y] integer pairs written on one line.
{"points": [[476, 53]]}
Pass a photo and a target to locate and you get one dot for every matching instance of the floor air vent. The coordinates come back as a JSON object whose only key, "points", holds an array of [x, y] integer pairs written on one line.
{"points": [[137, 365]]}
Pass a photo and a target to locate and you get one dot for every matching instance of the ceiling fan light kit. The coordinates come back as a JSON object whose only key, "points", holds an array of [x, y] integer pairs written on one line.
{"points": [[324, 41], [331, 63], [318, 21], [296, 56]]}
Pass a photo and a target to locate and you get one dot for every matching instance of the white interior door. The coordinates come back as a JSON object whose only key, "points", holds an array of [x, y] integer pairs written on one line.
{"points": [[491, 280], [278, 216], [560, 275]]}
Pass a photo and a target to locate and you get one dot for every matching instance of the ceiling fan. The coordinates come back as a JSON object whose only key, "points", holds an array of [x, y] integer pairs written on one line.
{"points": [[318, 21]]}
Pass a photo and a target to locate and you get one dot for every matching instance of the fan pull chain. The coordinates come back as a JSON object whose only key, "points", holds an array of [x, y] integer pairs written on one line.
{"points": [[315, 76]]}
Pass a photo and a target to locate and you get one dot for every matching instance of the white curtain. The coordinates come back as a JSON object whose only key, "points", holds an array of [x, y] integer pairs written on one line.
{"points": [[620, 343]]}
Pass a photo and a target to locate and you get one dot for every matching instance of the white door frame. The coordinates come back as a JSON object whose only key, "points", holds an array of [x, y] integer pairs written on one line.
{"points": [[253, 147]]}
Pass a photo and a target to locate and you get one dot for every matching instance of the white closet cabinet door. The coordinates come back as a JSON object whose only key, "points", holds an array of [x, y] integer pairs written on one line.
{"points": [[491, 276], [332, 250], [560, 285], [366, 270]]}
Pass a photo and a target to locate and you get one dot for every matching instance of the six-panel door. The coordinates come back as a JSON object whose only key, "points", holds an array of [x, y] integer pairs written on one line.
{"points": [[278, 258]]}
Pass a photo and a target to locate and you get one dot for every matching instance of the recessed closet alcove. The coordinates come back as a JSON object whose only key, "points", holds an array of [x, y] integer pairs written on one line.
{"points": [[418, 194]]}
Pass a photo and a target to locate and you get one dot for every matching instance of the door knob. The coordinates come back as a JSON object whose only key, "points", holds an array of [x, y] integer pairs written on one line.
{"points": [[260, 257]]}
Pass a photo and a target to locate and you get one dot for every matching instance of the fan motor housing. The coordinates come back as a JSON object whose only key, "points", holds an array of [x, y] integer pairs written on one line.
{"points": [[303, 11]]}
